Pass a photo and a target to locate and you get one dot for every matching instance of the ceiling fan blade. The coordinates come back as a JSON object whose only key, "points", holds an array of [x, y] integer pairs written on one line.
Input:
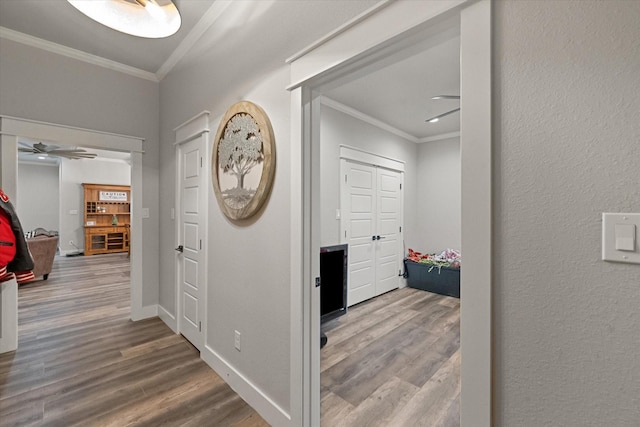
{"points": [[439, 116], [76, 155], [26, 150], [446, 97], [39, 147]]}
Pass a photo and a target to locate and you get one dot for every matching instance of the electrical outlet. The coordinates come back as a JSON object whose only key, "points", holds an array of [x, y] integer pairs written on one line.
{"points": [[237, 340]]}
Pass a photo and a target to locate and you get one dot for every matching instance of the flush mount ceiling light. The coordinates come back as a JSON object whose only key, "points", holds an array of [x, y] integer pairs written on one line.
{"points": [[142, 18]]}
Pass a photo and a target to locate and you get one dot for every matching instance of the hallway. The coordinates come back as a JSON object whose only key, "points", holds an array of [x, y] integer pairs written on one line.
{"points": [[81, 361]]}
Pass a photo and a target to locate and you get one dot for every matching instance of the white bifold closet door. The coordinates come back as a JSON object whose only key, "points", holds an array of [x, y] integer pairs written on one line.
{"points": [[371, 207]]}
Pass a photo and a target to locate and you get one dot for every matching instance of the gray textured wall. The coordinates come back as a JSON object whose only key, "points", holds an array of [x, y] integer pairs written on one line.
{"points": [[567, 133]]}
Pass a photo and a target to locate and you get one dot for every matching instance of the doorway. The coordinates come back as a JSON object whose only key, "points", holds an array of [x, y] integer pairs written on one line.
{"points": [[332, 60], [50, 192], [13, 129]]}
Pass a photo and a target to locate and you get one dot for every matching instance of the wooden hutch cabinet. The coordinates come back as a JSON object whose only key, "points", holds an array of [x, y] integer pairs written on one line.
{"points": [[107, 218]]}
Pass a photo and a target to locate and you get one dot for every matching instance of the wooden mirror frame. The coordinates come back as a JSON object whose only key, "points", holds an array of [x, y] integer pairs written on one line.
{"points": [[268, 164]]}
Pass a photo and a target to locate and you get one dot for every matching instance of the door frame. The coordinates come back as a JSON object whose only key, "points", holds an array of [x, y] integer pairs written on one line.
{"points": [[367, 38], [11, 129], [196, 127]]}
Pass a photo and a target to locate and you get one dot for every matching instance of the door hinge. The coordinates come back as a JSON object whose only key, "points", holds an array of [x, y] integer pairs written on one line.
{"points": [[200, 244], [200, 161], [318, 282], [345, 178], [199, 326], [401, 229], [401, 186], [345, 234]]}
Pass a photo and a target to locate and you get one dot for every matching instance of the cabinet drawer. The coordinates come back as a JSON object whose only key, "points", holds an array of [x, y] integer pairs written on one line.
{"points": [[102, 230]]}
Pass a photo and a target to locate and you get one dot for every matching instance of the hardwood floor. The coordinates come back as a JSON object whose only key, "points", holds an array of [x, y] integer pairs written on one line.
{"points": [[393, 361], [81, 361]]}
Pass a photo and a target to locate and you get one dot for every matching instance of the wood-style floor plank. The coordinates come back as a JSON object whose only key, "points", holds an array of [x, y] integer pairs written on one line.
{"points": [[81, 361], [393, 361]]}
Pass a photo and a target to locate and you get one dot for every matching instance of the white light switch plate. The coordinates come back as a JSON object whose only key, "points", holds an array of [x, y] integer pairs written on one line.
{"points": [[620, 230], [145, 213]]}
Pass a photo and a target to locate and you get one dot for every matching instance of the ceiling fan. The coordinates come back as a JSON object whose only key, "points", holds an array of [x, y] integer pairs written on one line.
{"points": [[435, 119], [41, 149]]}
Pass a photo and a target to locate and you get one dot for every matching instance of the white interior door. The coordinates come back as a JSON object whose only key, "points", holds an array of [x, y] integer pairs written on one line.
{"points": [[358, 207], [388, 229], [191, 261], [371, 205]]}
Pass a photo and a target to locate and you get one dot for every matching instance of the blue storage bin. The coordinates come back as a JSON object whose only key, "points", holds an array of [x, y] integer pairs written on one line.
{"points": [[444, 280]]}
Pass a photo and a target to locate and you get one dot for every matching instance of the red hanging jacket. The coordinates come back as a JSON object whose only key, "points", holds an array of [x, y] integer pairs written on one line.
{"points": [[14, 253], [7, 240]]}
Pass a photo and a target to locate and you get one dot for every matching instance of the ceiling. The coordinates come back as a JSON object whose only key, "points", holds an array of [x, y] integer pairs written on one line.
{"points": [[269, 31]]}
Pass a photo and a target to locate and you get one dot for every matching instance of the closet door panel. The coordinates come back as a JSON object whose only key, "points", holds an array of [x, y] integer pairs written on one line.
{"points": [[388, 221], [359, 211]]}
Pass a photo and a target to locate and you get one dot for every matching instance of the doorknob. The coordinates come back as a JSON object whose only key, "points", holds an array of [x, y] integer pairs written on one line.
{"points": [[180, 248], [373, 237]]}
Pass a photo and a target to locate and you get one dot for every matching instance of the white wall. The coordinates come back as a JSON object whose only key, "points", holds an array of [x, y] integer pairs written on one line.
{"points": [[337, 128], [39, 196], [73, 173], [40, 85], [438, 196], [566, 149]]}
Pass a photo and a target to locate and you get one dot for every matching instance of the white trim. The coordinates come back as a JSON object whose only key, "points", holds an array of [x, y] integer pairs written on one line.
{"points": [[373, 38], [168, 318], [67, 252], [8, 316], [69, 135], [393, 22], [12, 127], [366, 118], [200, 122], [341, 29], [300, 400], [191, 137], [475, 149], [363, 156], [135, 238], [251, 393], [59, 49], [210, 16], [41, 163], [148, 311], [439, 137]]}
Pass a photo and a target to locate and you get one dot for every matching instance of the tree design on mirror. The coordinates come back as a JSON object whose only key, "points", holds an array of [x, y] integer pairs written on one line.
{"points": [[243, 163]]}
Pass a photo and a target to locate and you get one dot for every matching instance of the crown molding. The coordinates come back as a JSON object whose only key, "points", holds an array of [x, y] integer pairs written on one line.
{"points": [[382, 125], [440, 137], [366, 118], [79, 55], [210, 16]]}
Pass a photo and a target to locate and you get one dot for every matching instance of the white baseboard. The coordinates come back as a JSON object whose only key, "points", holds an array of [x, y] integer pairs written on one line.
{"points": [[145, 312], [168, 318], [65, 252], [267, 408]]}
